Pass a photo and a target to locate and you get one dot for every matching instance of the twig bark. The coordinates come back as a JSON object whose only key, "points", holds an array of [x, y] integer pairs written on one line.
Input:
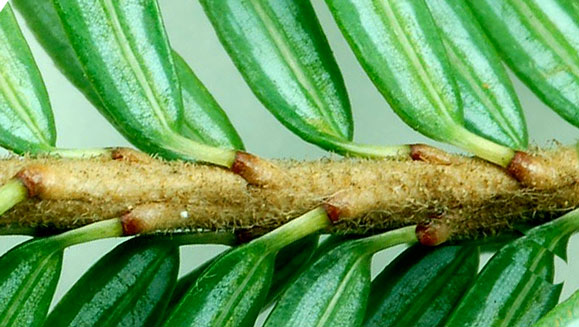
{"points": [[467, 196]]}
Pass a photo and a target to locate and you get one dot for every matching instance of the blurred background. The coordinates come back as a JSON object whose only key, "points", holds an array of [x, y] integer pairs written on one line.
{"points": [[79, 125]]}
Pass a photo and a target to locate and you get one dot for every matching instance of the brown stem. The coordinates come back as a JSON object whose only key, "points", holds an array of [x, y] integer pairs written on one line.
{"points": [[470, 196]]}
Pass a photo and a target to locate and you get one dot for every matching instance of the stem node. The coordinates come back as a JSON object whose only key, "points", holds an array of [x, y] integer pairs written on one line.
{"points": [[332, 211], [32, 177], [433, 233], [130, 155], [256, 171], [429, 154], [542, 172]]}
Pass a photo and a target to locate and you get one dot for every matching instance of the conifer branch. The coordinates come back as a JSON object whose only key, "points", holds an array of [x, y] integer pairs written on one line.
{"points": [[468, 196]]}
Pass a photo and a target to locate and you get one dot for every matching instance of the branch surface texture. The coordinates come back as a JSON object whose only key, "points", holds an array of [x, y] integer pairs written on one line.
{"points": [[470, 197]]}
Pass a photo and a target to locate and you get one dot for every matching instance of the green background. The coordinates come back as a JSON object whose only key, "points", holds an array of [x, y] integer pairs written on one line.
{"points": [[79, 125]]}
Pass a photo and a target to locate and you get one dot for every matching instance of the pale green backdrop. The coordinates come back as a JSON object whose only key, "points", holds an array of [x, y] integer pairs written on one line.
{"points": [[79, 125]]}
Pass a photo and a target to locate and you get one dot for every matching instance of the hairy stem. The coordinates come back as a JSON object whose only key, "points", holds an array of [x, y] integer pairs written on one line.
{"points": [[466, 196]]}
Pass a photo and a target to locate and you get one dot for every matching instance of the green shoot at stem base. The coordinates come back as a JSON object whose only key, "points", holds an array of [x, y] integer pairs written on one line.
{"points": [[78, 153], [483, 148], [200, 152], [388, 239], [12, 193], [95, 231], [308, 223], [373, 151]]}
